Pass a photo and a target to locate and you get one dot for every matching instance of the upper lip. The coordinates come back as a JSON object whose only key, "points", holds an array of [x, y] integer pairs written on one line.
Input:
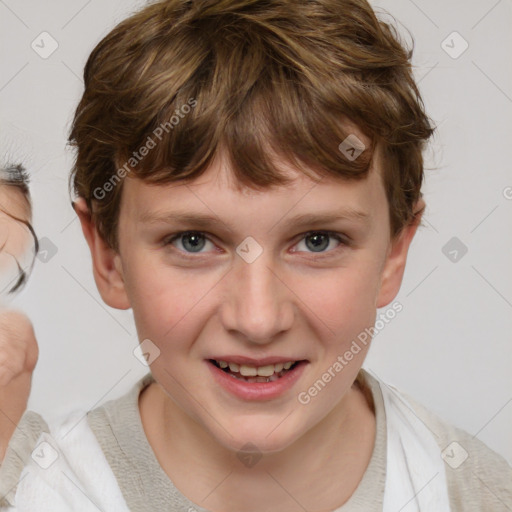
{"points": [[255, 362]]}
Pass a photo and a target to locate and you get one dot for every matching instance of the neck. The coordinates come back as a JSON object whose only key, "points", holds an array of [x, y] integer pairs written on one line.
{"points": [[319, 471]]}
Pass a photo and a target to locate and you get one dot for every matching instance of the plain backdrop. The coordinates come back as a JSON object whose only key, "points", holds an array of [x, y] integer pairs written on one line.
{"points": [[451, 345]]}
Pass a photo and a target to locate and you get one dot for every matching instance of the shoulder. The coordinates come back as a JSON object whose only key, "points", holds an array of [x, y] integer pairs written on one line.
{"points": [[478, 478], [53, 456], [18, 453], [41, 453], [68, 471]]}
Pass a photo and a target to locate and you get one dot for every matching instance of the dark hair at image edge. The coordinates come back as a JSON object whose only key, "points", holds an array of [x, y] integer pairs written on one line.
{"points": [[270, 79]]}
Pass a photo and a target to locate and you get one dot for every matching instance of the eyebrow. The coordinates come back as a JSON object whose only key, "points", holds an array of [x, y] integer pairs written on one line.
{"points": [[205, 221]]}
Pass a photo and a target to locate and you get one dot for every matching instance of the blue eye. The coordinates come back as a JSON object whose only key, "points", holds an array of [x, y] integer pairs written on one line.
{"points": [[316, 242], [320, 240], [192, 241]]}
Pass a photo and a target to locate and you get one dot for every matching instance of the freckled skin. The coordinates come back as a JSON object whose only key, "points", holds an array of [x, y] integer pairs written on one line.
{"points": [[288, 302]]}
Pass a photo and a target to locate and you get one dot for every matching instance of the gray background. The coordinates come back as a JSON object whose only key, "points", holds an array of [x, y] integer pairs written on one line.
{"points": [[450, 347]]}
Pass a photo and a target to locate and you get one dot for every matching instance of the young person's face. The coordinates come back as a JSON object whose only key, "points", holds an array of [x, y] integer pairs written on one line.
{"points": [[301, 299]]}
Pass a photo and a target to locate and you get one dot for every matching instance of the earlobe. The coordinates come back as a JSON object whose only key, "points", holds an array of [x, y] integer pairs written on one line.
{"points": [[106, 262], [394, 267]]}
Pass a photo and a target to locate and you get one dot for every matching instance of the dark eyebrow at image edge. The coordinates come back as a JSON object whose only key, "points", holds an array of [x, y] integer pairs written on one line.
{"points": [[15, 175]]}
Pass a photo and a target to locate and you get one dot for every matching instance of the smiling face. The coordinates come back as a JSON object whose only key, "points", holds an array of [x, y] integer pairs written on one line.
{"points": [[252, 283]]}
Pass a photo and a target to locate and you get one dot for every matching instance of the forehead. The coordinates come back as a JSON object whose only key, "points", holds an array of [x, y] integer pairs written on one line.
{"points": [[217, 194]]}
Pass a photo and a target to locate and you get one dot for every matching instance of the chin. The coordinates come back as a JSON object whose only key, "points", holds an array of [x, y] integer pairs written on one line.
{"points": [[259, 436]]}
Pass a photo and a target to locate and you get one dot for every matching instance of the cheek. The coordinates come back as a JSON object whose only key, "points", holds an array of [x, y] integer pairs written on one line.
{"points": [[342, 300], [15, 238], [166, 303]]}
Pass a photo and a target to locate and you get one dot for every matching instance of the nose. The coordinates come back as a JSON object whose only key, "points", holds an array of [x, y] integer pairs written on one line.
{"points": [[258, 305]]}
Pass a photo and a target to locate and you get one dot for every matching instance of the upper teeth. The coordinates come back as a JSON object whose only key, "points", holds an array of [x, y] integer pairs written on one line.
{"points": [[252, 371]]}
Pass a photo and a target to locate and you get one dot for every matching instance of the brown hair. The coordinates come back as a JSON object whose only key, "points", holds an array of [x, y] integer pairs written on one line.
{"points": [[258, 78]]}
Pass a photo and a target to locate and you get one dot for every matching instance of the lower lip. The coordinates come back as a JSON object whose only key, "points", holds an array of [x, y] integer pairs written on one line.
{"points": [[257, 390]]}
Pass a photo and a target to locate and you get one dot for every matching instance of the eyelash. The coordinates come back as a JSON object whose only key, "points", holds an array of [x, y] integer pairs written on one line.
{"points": [[344, 242]]}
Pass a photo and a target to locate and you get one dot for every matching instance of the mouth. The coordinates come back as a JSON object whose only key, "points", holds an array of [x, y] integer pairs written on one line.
{"points": [[251, 374]]}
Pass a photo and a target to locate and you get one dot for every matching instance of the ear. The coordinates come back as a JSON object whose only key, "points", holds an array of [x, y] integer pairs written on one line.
{"points": [[107, 268], [394, 266]]}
